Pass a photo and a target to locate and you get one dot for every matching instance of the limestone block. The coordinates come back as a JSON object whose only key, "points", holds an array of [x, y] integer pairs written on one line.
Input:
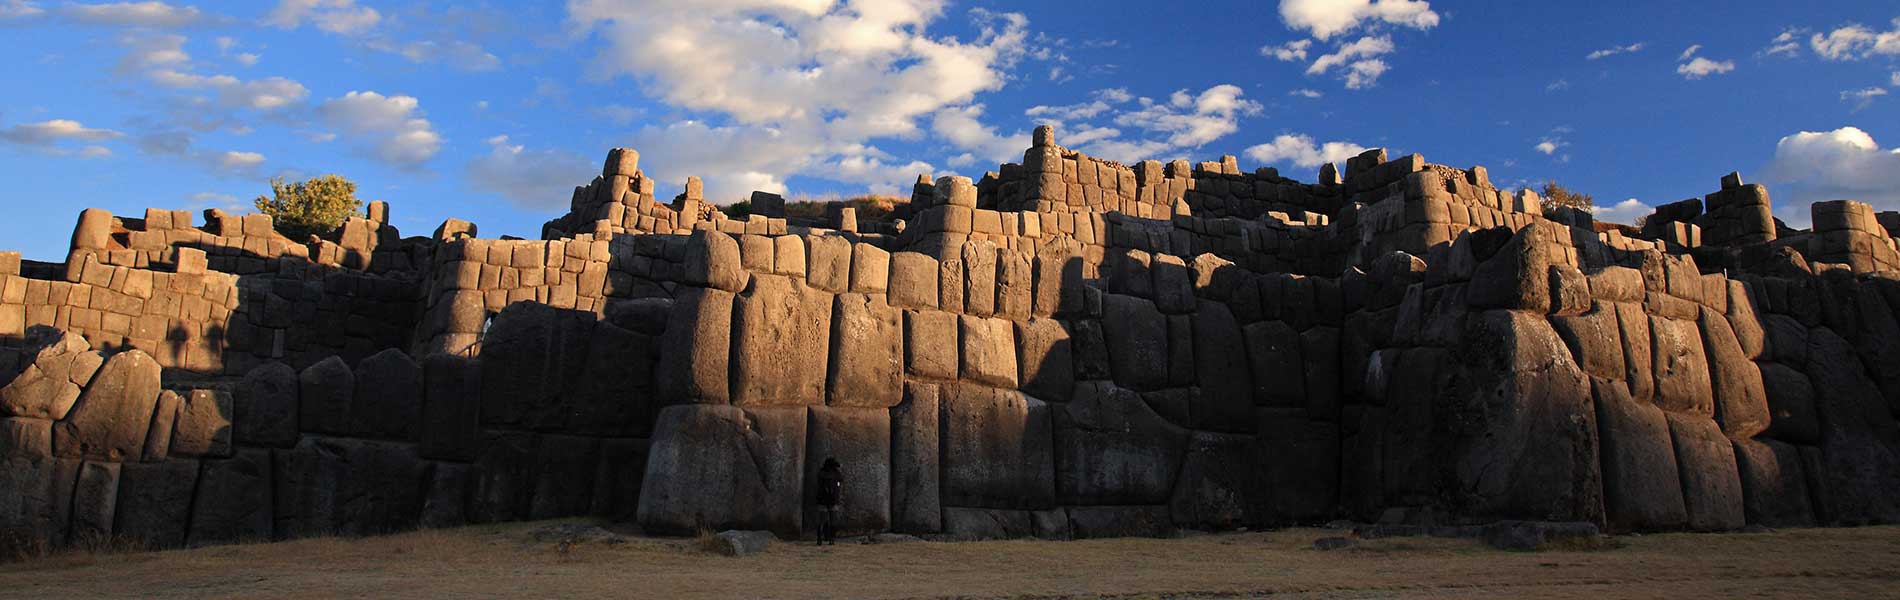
{"points": [[1320, 347], [232, 502], [158, 436], [621, 161], [1743, 319], [1681, 367], [1217, 488], [1532, 453], [1136, 336], [56, 370], [1741, 403], [1131, 272], [1774, 489], [347, 486], [110, 420], [28, 438], [95, 497], [997, 449], [1711, 487], [203, 428], [721, 467], [950, 280], [979, 278], [1595, 340], [1112, 449], [757, 253], [1278, 366], [1223, 370], [37, 497], [698, 340], [915, 506], [1569, 291], [1173, 284], [870, 269], [451, 416], [325, 392], [929, 339], [389, 395], [1058, 283], [713, 259], [781, 330], [828, 263], [970, 524], [956, 191], [1638, 362], [860, 440], [1641, 488], [1790, 404], [1046, 360], [1786, 339], [1858, 471], [989, 351], [789, 256], [532, 356], [1093, 522], [154, 504], [913, 280], [1298, 462], [867, 352], [1015, 284], [564, 470]]}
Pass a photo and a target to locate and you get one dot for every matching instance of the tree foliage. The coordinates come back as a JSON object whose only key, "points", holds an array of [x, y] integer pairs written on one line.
{"points": [[1555, 194], [312, 207]]}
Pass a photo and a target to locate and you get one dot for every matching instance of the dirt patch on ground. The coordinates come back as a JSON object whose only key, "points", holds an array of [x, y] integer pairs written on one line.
{"points": [[525, 560]]}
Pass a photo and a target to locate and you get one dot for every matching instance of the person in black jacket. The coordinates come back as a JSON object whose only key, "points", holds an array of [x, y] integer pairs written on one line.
{"points": [[830, 494]]}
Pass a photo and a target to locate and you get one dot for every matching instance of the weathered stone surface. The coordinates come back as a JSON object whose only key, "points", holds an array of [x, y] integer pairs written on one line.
{"points": [[111, 418], [504, 483], [267, 407], [986, 524], [1527, 424], [1298, 462], [1137, 342], [997, 449], [1086, 522], [95, 497], [1858, 470], [713, 260], [1595, 341], [1223, 371], [1790, 404], [1741, 402], [867, 352], [36, 497], [1638, 363], [564, 469], [870, 269], [1711, 488], [913, 281], [55, 368], [927, 334], [1681, 368], [1320, 347], [451, 416], [1112, 449], [1046, 360], [617, 479], [154, 504], [1774, 490], [445, 503], [742, 543], [1217, 488], [532, 358], [721, 467], [203, 428], [1641, 488], [158, 436], [698, 346], [1052, 524], [828, 263], [1279, 367], [860, 440], [26, 438], [347, 486], [1173, 284], [1015, 285], [979, 278], [781, 333], [233, 499], [388, 402], [324, 396], [989, 351], [915, 506]]}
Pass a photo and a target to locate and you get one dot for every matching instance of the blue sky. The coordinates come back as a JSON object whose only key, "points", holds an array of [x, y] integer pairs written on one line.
{"points": [[493, 111]]}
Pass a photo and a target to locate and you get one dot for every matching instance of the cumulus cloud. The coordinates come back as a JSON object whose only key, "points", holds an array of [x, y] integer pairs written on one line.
{"points": [[1626, 212], [795, 87], [238, 161], [131, 14], [1289, 52], [391, 126], [535, 179], [1614, 50], [1327, 18], [455, 53], [1180, 122], [1697, 67], [148, 51], [1854, 41], [1302, 151], [48, 133], [1862, 98], [1305, 93], [20, 9], [1845, 163], [334, 16], [1787, 43], [271, 93], [1103, 102], [963, 127]]}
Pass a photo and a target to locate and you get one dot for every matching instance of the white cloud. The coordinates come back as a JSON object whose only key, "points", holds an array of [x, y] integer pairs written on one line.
{"points": [[1854, 41], [271, 93], [1614, 50], [535, 179], [1844, 163], [1787, 43], [20, 9], [1103, 102], [1366, 47], [95, 152], [1289, 52], [47, 133], [1183, 121], [147, 51], [1625, 212], [1558, 85], [1862, 98], [793, 87], [132, 14], [1305, 93], [334, 16], [1365, 74], [964, 129], [1192, 121], [1302, 151], [1698, 67], [392, 125], [1895, 79], [455, 53], [1326, 18], [238, 161]]}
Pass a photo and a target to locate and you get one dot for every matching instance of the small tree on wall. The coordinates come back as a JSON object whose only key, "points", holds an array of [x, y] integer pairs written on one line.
{"points": [[1555, 194], [311, 207]]}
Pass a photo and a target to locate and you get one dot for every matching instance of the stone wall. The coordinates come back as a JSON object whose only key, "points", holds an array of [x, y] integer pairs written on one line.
{"points": [[1065, 348]]}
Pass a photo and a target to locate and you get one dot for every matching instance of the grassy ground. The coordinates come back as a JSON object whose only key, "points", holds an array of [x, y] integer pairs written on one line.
{"points": [[506, 561]]}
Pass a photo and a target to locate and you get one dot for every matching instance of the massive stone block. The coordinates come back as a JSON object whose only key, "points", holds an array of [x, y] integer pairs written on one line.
{"points": [[564, 471], [1859, 468], [1682, 368], [1711, 488], [532, 358], [713, 260], [451, 417], [324, 393], [233, 499], [1112, 449], [979, 278], [961, 523], [867, 352], [1774, 489], [860, 440], [1218, 487], [1527, 442], [1638, 363], [348, 486], [828, 263], [623, 465], [1641, 488], [388, 402], [55, 369], [722, 467], [1223, 371], [154, 503], [989, 351], [267, 406], [1046, 361], [1298, 468], [111, 418], [95, 498], [996, 449], [616, 396], [1137, 342], [1595, 340], [1790, 404], [203, 428], [698, 345], [1741, 403], [781, 334], [914, 280], [915, 506], [927, 343], [1279, 368]]}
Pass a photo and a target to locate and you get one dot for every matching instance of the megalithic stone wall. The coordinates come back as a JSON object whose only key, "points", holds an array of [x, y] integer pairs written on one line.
{"points": [[1069, 347]]}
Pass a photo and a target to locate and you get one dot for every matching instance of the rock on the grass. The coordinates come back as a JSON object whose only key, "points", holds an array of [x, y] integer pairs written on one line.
{"points": [[742, 543]]}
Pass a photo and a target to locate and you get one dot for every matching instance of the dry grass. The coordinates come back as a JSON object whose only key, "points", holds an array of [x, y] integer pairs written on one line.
{"points": [[504, 561]]}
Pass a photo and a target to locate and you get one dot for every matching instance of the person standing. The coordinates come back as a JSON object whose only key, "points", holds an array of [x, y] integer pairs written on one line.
{"points": [[829, 495]]}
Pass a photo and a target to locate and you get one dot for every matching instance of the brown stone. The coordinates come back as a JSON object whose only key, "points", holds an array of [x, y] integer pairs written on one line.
{"points": [[1711, 487], [867, 352], [110, 420], [1681, 367], [781, 332], [989, 351]]}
